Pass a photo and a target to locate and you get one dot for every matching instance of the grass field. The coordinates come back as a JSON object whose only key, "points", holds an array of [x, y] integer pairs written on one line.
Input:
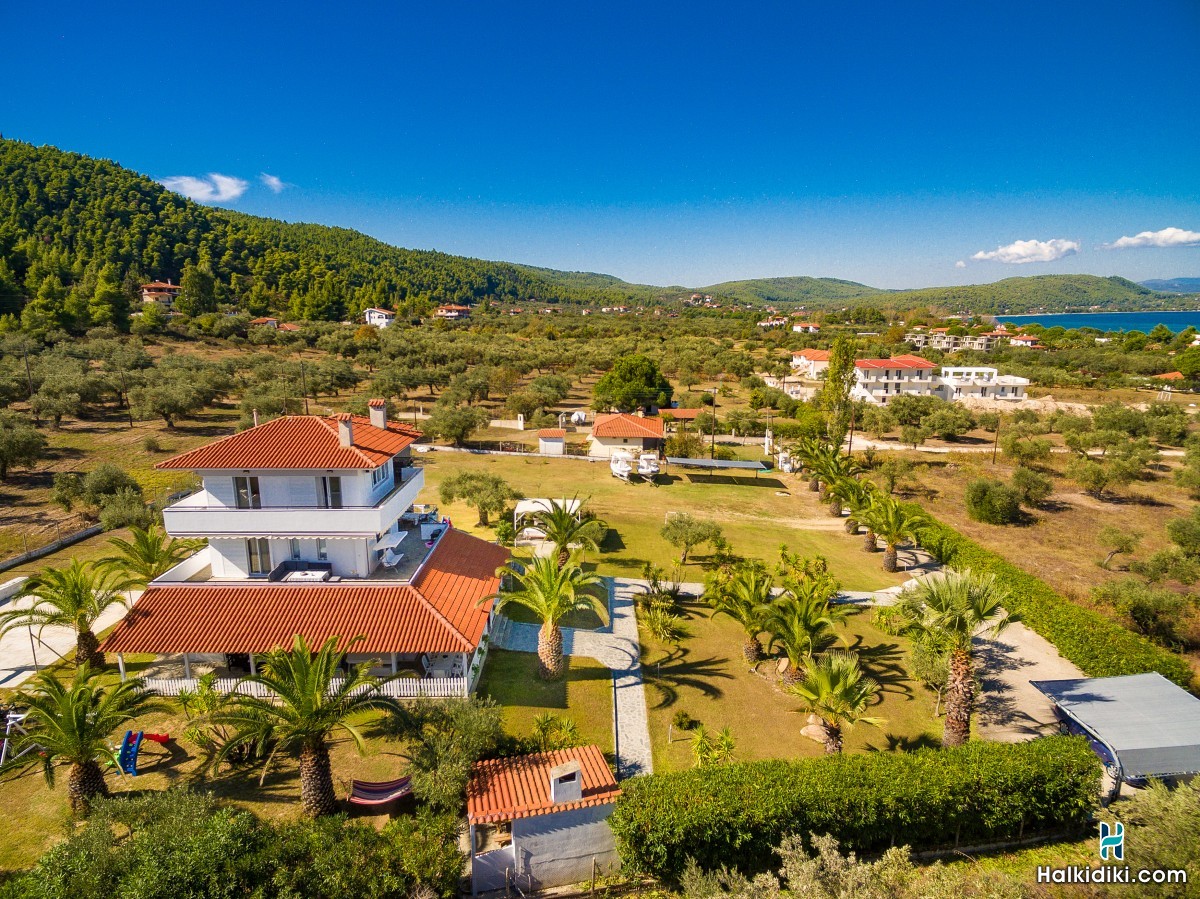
{"points": [[757, 516], [708, 678]]}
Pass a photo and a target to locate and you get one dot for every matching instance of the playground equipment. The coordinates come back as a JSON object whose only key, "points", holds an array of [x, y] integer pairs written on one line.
{"points": [[14, 726], [131, 745]]}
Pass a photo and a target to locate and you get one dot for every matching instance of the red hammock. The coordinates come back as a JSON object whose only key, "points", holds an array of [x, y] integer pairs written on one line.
{"points": [[365, 792]]}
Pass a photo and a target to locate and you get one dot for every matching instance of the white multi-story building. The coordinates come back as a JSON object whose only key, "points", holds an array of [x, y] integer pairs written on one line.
{"points": [[879, 380], [942, 339], [313, 529], [380, 318], [974, 382]]}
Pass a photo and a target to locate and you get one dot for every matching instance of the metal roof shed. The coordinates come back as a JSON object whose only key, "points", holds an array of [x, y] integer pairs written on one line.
{"points": [[1149, 724]]}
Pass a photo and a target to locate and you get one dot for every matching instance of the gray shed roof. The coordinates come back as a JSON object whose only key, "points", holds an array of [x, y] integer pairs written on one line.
{"points": [[1152, 724]]}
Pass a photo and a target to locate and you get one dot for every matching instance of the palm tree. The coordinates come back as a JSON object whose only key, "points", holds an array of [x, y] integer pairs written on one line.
{"points": [[150, 554], [835, 689], [73, 597], [307, 699], [551, 592], [802, 622], [567, 529], [742, 598], [827, 463], [71, 723], [894, 523], [951, 608], [856, 493]]}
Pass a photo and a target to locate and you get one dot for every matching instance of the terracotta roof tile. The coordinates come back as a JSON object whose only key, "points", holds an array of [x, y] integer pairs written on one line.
{"points": [[299, 442], [552, 432], [622, 424], [440, 612], [902, 361], [519, 787], [813, 355]]}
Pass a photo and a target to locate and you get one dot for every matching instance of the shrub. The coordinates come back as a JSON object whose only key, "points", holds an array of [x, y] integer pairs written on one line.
{"points": [[1156, 613], [683, 721], [993, 502], [736, 814], [125, 509], [1033, 487], [1098, 645], [151, 444]]}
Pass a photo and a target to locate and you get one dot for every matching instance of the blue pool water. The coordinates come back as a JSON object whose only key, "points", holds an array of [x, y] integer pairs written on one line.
{"points": [[1110, 321]]}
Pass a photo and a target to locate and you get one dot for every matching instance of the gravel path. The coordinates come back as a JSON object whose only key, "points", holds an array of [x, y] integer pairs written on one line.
{"points": [[616, 647]]}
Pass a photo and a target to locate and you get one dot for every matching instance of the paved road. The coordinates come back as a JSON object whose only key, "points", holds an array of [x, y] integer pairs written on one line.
{"points": [[18, 653], [617, 648]]}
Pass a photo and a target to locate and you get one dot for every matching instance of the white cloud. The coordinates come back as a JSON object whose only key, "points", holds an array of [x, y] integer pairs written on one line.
{"points": [[274, 183], [212, 188], [1167, 237], [960, 264], [1021, 251]]}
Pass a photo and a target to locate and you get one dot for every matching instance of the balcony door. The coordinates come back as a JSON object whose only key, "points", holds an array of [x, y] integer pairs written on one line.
{"points": [[331, 492], [258, 551], [247, 493]]}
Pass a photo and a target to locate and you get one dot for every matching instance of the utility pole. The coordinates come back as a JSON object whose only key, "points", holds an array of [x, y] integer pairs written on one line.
{"points": [[713, 451], [996, 440]]}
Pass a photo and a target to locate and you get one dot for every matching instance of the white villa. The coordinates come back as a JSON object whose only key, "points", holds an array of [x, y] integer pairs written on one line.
{"points": [[811, 364], [878, 380], [162, 292], [380, 318], [974, 382], [622, 431], [313, 529]]}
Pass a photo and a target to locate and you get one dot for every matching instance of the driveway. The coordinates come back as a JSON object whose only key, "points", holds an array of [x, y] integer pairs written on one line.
{"points": [[1010, 708]]}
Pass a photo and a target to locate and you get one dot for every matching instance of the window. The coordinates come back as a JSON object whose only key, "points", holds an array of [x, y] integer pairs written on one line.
{"points": [[331, 492], [258, 551], [378, 475], [322, 550], [246, 492], [295, 548]]}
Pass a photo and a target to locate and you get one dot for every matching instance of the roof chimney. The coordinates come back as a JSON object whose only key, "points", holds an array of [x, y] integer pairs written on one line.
{"points": [[566, 783], [345, 426], [378, 410]]}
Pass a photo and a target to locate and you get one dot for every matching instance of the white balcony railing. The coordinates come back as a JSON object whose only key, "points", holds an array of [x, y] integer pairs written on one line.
{"points": [[401, 688], [199, 515]]}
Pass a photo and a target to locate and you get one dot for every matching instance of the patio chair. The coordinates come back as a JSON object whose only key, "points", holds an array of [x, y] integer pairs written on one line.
{"points": [[365, 792], [391, 558]]}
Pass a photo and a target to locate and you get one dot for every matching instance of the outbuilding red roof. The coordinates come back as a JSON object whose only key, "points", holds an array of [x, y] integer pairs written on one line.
{"points": [[300, 442], [440, 611], [902, 361], [519, 787], [813, 355], [683, 414], [1170, 376], [622, 424], [552, 432]]}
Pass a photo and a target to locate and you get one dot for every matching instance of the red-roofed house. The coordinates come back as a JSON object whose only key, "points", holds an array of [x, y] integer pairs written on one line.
{"points": [[811, 363], [265, 323], [1028, 341], [1170, 376], [545, 814], [453, 312], [380, 318], [312, 530], [162, 292], [622, 431], [806, 328], [878, 380], [552, 441]]}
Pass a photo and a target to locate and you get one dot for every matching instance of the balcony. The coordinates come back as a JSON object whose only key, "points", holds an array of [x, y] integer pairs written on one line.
{"points": [[200, 515]]}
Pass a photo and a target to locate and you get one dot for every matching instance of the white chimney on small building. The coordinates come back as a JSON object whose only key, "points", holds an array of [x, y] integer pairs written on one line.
{"points": [[378, 411], [566, 783], [345, 426]]}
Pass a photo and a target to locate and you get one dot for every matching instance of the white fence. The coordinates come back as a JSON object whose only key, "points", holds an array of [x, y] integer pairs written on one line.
{"points": [[402, 688]]}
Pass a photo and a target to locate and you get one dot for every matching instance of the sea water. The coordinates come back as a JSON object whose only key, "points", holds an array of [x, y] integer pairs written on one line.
{"points": [[1110, 321]]}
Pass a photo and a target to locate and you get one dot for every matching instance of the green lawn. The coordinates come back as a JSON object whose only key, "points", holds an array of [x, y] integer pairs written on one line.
{"points": [[708, 678], [583, 695], [757, 515]]}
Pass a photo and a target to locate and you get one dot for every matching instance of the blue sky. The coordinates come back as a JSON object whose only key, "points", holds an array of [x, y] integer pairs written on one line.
{"points": [[681, 143]]}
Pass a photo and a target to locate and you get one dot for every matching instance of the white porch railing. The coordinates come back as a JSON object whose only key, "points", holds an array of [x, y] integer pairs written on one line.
{"points": [[402, 688]]}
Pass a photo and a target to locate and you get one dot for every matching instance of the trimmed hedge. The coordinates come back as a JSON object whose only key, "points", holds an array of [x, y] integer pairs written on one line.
{"points": [[1099, 646], [736, 815]]}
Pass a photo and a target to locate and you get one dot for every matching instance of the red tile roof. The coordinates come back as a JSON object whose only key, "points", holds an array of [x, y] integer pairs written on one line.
{"points": [[300, 441], [902, 361], [1170, 376], [519, 787], [813, 355], [262, 321], [161, 285], [377, 309], [439, 612], [552, 432], [622, 424], [289, 326]]}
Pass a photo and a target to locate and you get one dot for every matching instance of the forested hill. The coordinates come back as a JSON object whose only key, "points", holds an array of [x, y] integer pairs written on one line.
{"points": [[1051, 293], [817, 291], [78, 234]]}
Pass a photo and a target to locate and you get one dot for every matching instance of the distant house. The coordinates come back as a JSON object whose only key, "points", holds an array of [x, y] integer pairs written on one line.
{"points": [[552, 441], [774, 321], [967, 382], [792, 385], [806, 328], [162, 292], [622, 431], [380, 318], [878, 380], [288, 326], [453, 312], [811, 363], [1028, 341], [272, 323], [1170, 376], [541, 820], [942, 339]]}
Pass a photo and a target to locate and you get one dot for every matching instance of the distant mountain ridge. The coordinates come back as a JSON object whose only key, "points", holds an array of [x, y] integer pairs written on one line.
{"points": [[1173, 285], [795, 289]]}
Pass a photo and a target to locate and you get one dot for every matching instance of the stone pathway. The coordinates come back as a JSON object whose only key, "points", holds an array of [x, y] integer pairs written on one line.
{"points": [[617, 648]]}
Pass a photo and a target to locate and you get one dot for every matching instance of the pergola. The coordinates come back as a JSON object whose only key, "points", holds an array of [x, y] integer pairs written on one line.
{"points": [[1147, 725]]}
